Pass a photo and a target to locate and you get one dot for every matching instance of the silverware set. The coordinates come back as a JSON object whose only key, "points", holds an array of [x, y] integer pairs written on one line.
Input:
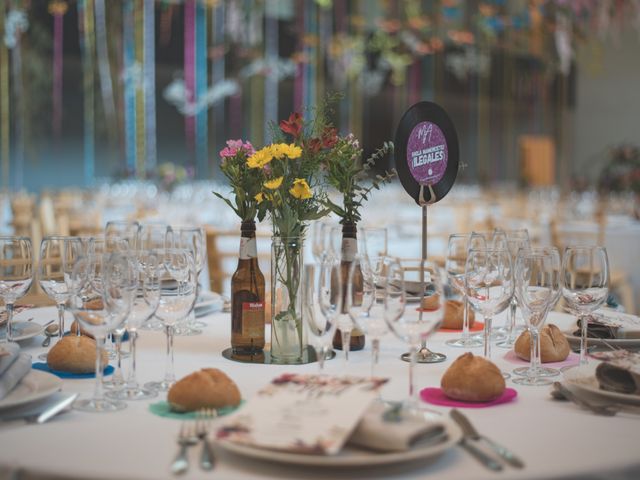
{"points": [[472, 439], [191, 433]]}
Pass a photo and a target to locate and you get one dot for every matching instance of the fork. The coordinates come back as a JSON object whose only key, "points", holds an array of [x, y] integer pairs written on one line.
{"points": [[186, 438], [203, 419]]}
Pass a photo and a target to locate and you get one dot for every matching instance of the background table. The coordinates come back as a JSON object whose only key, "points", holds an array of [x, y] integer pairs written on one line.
{"points": [[556, 439]]}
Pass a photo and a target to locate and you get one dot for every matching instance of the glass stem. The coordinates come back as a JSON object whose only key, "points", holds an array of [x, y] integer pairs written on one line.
{"points": [[60, 307], [465, 321], [584, 323], [346, 343], [132, 380], [322, 354], [487, 337], [117, 375], [9, 335], [98, 394], [375, 352], [535, 351], [512, 322], [413, 354], [169, 376]]}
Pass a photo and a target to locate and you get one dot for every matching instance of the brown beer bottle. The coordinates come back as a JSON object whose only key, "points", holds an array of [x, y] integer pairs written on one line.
{"points": [[247, 296], [348, 254]]}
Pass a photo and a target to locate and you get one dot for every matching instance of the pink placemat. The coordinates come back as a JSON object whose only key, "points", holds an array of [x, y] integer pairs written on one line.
{"points": [[572, 359], [436, 396]]}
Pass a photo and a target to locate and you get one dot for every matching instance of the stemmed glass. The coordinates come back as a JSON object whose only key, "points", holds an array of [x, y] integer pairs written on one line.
{"points": [[144, 305], [152, 236], [178, 279], [406, 314], [585, 285], [489, 286], [124, 231], [537, 279], [516, 239], [322, 327], [366, 311], [373, 245], [16, 274], [455, 264], [319, 240], [109, 277], [57, 257]]}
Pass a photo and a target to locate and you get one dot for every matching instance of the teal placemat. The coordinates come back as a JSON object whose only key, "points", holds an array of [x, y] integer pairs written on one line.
{"points": [[162, 409]]}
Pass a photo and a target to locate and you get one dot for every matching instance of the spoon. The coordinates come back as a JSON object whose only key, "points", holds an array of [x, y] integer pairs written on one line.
{"points": [[50, 331]]}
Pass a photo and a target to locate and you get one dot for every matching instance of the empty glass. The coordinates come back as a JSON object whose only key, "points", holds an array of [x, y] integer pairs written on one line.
{"points": [[178, 280], [16, 274], [409, 316], [537, 280], [489, 285], [373, 245], [58, 255], [152, 236], [101, 293], [585, 285]]}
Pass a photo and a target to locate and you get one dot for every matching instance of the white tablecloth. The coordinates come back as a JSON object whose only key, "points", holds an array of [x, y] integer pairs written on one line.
{"points": [[556, 439]]}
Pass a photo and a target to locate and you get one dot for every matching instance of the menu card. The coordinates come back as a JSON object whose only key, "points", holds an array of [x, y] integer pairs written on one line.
{"points": [[312, 414]]}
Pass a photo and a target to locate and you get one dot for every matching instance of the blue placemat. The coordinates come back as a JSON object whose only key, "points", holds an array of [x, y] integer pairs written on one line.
{"points": [[45, 368]]}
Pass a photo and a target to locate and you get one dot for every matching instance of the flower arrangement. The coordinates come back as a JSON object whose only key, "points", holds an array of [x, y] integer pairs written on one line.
{"points": [[244, 183]]}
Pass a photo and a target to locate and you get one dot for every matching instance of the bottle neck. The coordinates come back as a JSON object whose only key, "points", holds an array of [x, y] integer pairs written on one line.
{"points": [[248, 248], [349, 242]]}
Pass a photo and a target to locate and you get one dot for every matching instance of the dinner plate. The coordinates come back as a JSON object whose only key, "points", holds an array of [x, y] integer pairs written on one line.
{"points": [[209, 302], [584, 378], [23, 330], [614, 342], [352, 456], [34, 386]]}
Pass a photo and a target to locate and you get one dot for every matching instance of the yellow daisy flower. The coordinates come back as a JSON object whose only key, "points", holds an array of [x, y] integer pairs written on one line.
{"points": [[274, 183], [260, 158], [300, 189], [259, 197], [292, 151]]}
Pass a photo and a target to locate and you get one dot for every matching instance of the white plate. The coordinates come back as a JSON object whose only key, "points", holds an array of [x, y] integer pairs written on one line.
{"points": [[23, 330], [351, 456], [614, 342], [584, 378], [35, 385], [209, 302]]}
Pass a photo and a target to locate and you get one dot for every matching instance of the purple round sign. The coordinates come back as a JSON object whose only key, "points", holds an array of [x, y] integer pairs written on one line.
{"points": [[427, 153]]}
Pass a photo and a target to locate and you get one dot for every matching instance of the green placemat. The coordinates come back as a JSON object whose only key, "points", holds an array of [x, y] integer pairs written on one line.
{"points": [[162, 409]]}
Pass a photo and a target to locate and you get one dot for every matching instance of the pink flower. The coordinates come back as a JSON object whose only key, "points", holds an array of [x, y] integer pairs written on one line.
{"points": [[236, 146]]}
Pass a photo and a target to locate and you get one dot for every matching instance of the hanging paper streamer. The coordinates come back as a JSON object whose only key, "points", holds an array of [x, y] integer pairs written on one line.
{"points": [[201, 89], [4, 98], [298, 89], [149, 84], [189, 71], [138, 17], [271, 81], [15, 24], [130, 79], [104, 69], [217, 73], [57, 9], [86, 20]]}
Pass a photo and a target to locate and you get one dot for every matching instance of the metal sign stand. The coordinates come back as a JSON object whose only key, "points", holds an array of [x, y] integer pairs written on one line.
{"points": [[424, 355]]}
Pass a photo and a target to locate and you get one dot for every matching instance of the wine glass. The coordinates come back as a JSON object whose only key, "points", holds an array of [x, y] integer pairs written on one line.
{"points": [[16, 274], [488, 285], [57, 257], [374, 244], [516, 239], [457, 249], [585, 285], [152, 236], [537, 289], [178, 280], [144, 305], [122, 230], [101, 294], [192, 238], [364, 307], [319, 239], [409, 316], [321, 328]]}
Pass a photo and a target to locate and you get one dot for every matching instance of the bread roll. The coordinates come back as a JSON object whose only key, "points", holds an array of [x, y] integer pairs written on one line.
{"points": [[472, 379], [206, 388], [554, 346], [431, 302], [75, 354], [74, 330], [454, 315]]}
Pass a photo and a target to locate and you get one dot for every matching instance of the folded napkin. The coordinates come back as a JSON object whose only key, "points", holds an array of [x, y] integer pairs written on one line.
{"points": [[619, 372], [597, 329], [13, 367], [381, 430]]}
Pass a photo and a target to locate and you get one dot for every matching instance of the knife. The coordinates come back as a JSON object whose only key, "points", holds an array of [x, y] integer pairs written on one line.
{"points": [[471, 433]]}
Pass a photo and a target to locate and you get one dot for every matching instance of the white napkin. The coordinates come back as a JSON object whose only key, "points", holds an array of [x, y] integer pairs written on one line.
{"points": [[376, 433], [13, 367]]}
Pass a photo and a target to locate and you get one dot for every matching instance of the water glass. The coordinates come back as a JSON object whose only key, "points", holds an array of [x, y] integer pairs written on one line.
{"points": [[16, 274]]}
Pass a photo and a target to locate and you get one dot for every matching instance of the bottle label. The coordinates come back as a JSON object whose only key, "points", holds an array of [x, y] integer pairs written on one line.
{"points": [[248, 248], [253, 319], [349, 249]]}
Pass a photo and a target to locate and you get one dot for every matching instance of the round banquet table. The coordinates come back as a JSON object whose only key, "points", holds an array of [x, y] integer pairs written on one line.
{"points": [[555, 439]]}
